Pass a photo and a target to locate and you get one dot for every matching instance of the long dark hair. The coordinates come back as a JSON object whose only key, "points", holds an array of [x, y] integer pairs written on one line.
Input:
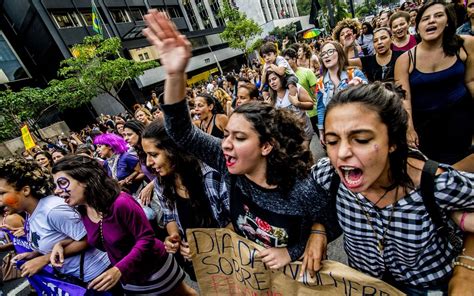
{"points": [[187, 167], [283, 82], [210, 100], [100, 191], [137, 127], [289, 160], [386, 99], [451, 41]]}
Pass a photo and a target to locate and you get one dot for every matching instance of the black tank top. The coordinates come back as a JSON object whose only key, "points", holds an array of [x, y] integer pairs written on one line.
{"points": [[216, 132]]}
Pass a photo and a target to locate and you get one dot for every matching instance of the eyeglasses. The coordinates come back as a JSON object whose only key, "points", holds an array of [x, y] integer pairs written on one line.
{"points": [[328, 53]]}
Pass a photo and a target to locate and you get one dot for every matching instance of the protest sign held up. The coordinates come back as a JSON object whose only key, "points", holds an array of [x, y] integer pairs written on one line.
{"points": [[226, 264]]}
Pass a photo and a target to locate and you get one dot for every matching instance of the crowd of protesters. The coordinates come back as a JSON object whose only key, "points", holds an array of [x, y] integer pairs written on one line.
{"points": [[366, 132]]}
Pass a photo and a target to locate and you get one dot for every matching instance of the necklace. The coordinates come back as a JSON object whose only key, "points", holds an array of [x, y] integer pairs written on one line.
{"points": [[380, 244], [381, 197], [101, 231], [206, 129]]}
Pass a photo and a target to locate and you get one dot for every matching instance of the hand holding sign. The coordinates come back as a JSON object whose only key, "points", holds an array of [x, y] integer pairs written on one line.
{"points": [[184, 250], [172, 243], [275, 257], [315, 252]]}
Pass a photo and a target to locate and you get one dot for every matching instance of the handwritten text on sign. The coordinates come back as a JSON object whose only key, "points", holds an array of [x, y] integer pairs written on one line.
{"points": [[226, 264]]}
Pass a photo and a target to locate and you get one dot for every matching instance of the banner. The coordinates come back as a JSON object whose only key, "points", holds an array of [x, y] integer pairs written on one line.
{"points": [[226, 264], [27, 138], [45, 282]]}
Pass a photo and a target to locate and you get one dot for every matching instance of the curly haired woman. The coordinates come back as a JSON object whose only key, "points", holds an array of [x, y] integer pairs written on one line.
{"points": [[26, 187], [346, 32], [272, 200]]}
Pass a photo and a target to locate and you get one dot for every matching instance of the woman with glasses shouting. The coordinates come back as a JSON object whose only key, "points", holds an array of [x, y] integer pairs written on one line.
{"points": [[336, 77]]}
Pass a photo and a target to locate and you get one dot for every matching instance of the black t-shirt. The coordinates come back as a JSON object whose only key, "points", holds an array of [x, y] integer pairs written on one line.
{"points": [[265, 227], [376, 72], [189, 218]]}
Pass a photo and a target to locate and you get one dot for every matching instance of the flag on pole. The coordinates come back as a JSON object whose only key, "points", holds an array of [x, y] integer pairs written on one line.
{"points": [[96, 24], [313, 14], [28, 140]]}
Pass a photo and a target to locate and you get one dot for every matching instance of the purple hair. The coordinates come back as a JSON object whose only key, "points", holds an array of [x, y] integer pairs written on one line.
{"points": [[116, 143]]}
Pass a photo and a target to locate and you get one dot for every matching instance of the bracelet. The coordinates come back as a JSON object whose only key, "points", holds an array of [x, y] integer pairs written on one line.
{"points": [[457, 263], [463, 218], [318, 232], [466, 257]]}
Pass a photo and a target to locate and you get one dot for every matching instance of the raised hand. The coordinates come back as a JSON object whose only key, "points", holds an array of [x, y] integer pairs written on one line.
{"points": [[173, 48]]}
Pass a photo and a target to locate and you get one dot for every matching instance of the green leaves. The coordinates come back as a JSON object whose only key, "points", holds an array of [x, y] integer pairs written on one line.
{"points": [[96, 67], [239, 29]]}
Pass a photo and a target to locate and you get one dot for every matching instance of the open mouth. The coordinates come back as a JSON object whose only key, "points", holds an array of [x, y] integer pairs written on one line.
{"points": [[352, 176], [431, 29], [230, 160]]}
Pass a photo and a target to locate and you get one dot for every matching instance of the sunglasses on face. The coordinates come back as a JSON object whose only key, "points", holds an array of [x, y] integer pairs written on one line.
{"points": [[328, 53]]}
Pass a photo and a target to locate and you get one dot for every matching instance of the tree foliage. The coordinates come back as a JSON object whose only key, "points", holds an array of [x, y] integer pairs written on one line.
{"points": [[98, 68], [366, 8], [341, 11], [304, 6], [239, 29], [281, 32], [95, 68]]}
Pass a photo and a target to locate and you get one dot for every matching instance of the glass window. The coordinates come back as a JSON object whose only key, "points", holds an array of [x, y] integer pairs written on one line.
{"points": [[136, 14], [198, 42], [11, 68], [87, 18], [203, 14], [66, 19], [120, 16], [215, 7], [190, 13], [174, 11]]}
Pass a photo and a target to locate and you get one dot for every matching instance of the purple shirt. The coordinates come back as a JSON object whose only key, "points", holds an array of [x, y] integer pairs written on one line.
{"points": [[129, 240]]}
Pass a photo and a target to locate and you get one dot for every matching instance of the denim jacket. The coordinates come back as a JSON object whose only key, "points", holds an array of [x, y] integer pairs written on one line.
{"points": [[465, 29], [328, 89]]}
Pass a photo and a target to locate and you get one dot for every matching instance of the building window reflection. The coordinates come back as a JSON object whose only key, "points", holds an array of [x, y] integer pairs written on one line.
{"points": [[11, 68]]}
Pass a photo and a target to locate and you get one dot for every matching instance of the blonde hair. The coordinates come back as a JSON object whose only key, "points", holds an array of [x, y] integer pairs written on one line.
{"points": [[223, 97], [144, 110]]}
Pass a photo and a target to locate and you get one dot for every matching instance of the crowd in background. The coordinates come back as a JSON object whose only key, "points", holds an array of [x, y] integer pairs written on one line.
{"points": [[178, 164]]}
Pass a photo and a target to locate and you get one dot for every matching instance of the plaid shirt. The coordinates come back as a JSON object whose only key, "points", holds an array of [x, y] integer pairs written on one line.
{"points": [[216, 191], [413, 252]]}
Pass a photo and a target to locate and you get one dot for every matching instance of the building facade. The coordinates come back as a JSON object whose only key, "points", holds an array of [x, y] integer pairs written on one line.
{"points": [[36, 35]]}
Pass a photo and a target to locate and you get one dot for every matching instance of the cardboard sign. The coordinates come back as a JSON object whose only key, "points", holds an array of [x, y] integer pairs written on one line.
{"points": [[226, 264]]}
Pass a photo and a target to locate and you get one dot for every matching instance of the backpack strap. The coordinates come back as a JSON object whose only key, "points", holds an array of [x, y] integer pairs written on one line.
{"points": [[334, 187], [427, 186]]}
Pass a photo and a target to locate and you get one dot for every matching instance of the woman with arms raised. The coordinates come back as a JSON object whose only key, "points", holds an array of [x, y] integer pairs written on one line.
{"points": [[272, 200]]}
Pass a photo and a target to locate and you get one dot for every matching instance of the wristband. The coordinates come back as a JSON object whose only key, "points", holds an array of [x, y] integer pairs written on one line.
{"points": [[463, 218], [318, 232]]}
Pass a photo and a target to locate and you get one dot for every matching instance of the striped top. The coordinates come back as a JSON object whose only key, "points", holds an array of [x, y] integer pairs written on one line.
{"points": [[413, 252]]}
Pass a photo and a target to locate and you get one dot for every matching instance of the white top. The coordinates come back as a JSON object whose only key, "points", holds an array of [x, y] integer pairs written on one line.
{"points": [[284, 103], [53, 221]]}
